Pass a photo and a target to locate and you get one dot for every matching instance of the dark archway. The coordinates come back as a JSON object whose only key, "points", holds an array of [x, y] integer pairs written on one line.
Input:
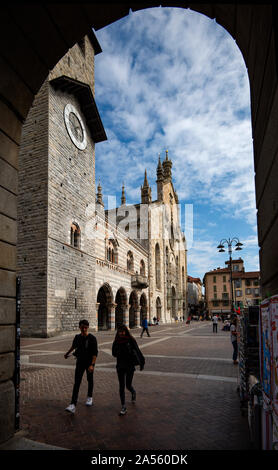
{"points": [[46, 33], [157, 267], [121, 306], [143, 307], [133, 307], [158, 308], [104, 299]]}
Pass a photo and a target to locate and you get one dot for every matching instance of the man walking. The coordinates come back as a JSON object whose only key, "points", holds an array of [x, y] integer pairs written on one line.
{"points": [[214, 323], [86, 351], [145, 327], [234, 341]]}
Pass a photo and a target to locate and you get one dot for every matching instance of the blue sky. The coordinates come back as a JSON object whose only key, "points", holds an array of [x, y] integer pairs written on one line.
{"points": [[170, 78]]}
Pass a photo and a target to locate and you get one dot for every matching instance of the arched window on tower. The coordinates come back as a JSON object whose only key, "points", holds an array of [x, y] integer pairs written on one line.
{"points": [[111, 251], [142, 268], [75, 235], [130, 261], [157, 267]]}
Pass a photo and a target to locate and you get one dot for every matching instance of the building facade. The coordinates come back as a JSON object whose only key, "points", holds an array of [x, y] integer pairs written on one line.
{"points": [[155, 226], [121, 281], [218, 293], [194, 293], [75, 259]]}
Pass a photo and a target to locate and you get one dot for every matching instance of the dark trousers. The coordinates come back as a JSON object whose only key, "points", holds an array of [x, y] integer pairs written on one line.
{"points": [[79, 371], [125, 377], [214, 327], [145, 328], [235, 346]]}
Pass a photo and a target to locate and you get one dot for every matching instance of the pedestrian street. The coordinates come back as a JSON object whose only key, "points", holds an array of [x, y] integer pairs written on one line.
{"points": [[186, 395]]}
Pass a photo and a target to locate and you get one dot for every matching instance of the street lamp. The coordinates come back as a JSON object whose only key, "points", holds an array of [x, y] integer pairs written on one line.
{"points": [[230, 243]]}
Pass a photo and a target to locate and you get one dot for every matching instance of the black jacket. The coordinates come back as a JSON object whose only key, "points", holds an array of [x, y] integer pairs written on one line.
{"points": [[85, 347], [128, 354]]}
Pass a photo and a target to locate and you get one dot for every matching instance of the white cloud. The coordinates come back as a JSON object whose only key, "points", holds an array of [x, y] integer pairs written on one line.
{"points": [[172, 78]]}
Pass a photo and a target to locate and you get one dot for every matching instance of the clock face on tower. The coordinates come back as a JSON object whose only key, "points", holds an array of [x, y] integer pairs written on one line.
{"points": [[75, 127]]}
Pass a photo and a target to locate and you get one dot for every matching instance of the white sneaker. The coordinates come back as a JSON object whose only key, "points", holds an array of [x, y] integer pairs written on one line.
{"points": [[71, 408], [123, 411], [89, 401]]}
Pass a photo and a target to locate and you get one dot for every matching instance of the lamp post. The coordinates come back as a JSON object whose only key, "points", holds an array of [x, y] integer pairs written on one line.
{"points": [[230, 243]]}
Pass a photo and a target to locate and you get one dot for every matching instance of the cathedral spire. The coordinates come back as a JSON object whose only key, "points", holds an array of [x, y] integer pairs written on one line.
{"points": [[123, 198], [146, 192], [159, 181], [167, 168], [159, 170], [99, 194], [146, 184]]}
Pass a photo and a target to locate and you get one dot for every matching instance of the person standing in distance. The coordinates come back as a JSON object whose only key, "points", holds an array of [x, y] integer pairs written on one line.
{"points": [[145, 327], [214, 322], [86, 351], [234, 341]]}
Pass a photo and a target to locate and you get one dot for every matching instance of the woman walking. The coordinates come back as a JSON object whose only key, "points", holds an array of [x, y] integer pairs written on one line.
{"points": [[128, 355]]}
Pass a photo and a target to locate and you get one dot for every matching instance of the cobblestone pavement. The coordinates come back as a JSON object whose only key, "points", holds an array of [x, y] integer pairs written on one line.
{"points": [[186, 395]]}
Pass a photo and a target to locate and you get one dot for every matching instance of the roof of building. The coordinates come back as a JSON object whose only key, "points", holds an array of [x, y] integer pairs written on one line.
{"points": [[240, 260], [94, 42], [83, 93], [236, 274], [218, 270], [194, 279]]}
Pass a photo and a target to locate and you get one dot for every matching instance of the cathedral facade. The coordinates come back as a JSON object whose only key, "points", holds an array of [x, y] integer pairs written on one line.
{"points": [[76, 259]]}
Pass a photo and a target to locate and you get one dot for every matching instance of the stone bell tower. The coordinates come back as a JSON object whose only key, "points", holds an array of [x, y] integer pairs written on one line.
{"points": [[56, 191]]}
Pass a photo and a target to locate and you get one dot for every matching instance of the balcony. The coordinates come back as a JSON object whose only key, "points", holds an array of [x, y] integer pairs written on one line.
{"points": [[139, 282]]}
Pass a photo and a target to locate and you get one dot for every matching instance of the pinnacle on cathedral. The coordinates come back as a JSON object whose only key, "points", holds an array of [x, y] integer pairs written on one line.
{"points": [[146, 192], [159, 170], [159, 181], [99, 194], [146, 184], [167, 168], [123, 198]]}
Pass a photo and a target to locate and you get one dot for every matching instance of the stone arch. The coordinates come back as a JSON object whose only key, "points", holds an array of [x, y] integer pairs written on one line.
{"points": [[75, 235], [112, 251], [157, 267], [121, 306], [158, 308], [130, 261], [104, 302], [142, 268], [242, 21], [143, 307], [133, 308]]}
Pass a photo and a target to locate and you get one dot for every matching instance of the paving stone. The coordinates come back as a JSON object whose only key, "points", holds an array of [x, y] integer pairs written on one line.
{"points": [[172, 411]]}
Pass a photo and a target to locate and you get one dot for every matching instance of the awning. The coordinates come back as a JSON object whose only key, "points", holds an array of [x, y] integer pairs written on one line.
{"points": [[83, 93]]}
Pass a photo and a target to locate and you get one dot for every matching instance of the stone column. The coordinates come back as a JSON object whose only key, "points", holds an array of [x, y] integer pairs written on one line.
{"points": [[97, 305], [10, 136], [137, 317], [111, 316], [126, 315]]}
